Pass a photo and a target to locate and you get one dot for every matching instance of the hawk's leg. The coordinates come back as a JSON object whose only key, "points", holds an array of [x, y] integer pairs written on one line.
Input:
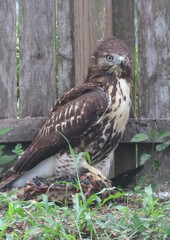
{"points": [[83, 166], [93, 175]]}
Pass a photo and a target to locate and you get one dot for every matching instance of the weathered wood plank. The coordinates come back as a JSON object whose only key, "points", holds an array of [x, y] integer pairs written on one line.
{"points": [[92, 23], [37, 57], [65, 45], [123, 28], [8, 98], [123, 13], [25, 128], [124, 150], [154, 89], [163, 158], [145, 125], [154, 71], [127, 152]]}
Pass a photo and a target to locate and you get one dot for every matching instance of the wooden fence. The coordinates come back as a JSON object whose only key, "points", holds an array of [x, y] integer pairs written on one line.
{"points": [[54, 57]]}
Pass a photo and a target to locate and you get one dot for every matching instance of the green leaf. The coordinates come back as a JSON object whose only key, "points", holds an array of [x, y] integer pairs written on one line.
{"points": [[137, 223], [78, 157], [87, 155], [140, 137], [144, 158], [164, 134], [45, 202], [11, 210], [2, 147], [6, 158], [160, 147], [70, 147], [154, 134], [2, 225], [77, 206], [90, 200], [72, 151], [4, 130], [18, 150], [113, 196], [148, 190], [156, 164]]}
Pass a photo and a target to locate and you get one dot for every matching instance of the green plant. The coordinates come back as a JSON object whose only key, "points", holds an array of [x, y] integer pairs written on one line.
{"points": [[18, 150], [130, 216], [153, 212], [123, 215], [5, 158], [159, 143], [8, 158]]}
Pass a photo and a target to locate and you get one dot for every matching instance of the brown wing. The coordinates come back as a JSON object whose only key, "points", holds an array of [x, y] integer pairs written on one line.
{"points": [[72, 116]]}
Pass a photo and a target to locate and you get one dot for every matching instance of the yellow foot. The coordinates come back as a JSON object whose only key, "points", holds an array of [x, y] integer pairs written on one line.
{"points": [[83, 166]]}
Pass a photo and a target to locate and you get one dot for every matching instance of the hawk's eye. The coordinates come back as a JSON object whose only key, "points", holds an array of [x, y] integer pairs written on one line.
{"points": [[109, 58]]}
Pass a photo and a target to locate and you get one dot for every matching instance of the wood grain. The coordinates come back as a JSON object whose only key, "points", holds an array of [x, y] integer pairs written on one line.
{"points": [[123, 28], [92, 23], [123, 22], [37, 81], [162, 175], [23, 129], [65, 46], [125, 157], [81, 25], [8, 99], [154, 58], [154, 72]]}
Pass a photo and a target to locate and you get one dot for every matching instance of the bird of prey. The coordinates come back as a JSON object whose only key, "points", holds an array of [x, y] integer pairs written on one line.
{"points": [[92, 117]]}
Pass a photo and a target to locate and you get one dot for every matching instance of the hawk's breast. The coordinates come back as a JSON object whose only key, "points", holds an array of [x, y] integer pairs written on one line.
{"points": [[112, 126], [121, 108]]}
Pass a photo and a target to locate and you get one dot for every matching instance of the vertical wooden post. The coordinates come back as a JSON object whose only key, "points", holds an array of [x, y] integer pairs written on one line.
{"points": [[65, 45], [37, 57], [154, 62], [92, 23], [154, 91], [123, 28], [8, 96]]}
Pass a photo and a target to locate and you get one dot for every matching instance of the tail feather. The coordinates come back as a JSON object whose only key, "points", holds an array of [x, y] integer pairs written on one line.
{"points": [[24, 162], [14, 173], [7, 183], [124, 179]]}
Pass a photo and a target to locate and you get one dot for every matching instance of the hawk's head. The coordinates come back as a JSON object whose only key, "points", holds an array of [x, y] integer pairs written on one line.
{"points": [[111, 57]]}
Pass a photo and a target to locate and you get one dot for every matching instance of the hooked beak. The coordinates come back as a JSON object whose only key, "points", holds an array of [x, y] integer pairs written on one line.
{"points": [[121, 61]]}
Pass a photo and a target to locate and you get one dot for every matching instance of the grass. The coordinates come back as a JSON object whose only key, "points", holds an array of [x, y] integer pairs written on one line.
{"points": [[128, 215], [125, 215]]}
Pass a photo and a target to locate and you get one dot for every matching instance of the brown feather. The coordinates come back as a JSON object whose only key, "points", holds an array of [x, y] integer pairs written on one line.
{"points": [[91, 116], [89, 107]]}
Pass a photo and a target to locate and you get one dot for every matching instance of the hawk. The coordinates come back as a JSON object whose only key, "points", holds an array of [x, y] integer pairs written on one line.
{"points": [[92, 117]]}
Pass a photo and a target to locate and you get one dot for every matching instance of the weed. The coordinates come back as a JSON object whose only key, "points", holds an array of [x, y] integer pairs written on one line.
{"points": [[155, 137], [123, 215], [4, 159]]}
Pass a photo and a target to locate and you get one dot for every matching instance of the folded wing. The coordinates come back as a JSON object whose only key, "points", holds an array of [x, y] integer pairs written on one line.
{"points": [[72, 117]]}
